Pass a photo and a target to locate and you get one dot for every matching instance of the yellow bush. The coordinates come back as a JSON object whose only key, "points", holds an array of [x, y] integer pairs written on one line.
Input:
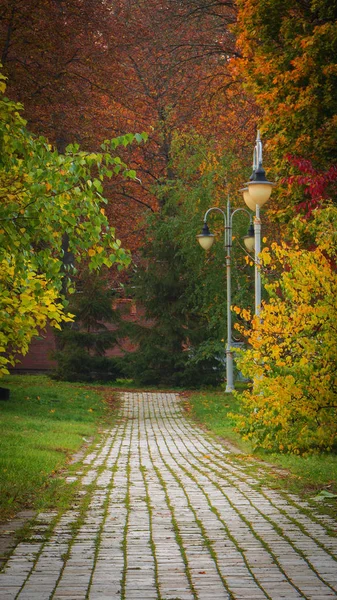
{"points": [[291, 358]]}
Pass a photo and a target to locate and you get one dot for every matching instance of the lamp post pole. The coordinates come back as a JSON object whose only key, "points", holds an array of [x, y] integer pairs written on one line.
{"points": [[256, 193], [257, 160], [257, 245], [229, 354], [206, 240]]}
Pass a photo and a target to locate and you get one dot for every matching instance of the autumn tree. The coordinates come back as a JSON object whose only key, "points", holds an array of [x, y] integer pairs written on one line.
{"points": [[45, 196], [292, 406], [52, 54], [170, 69], [87, 70], [288, 65]]}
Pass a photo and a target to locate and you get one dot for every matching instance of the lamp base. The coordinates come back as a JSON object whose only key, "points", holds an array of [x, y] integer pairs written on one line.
{"points": [[229, 389]]}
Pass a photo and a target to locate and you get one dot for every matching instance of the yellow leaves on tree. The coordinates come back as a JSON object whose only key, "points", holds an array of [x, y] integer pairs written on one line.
{"points": [[27, 302], [292, 406]]}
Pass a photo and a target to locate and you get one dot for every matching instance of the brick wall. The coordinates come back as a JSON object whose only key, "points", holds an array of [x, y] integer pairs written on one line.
{"points": [[39, 357]]}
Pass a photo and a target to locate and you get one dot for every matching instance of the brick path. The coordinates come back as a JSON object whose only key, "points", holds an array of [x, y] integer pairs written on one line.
{"points": [[164, 512]]}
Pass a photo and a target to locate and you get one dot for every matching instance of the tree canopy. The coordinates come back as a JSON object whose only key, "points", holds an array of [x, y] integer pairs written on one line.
{"points": [[46, 196], [288, 63], [88, 70]]}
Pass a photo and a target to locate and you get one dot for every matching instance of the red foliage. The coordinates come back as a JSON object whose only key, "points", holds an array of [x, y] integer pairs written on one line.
{"points": [[316, 183]]}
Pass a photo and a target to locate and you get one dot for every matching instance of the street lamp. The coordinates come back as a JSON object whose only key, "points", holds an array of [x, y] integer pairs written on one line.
{"points": [[206, 239], [255, 194]]}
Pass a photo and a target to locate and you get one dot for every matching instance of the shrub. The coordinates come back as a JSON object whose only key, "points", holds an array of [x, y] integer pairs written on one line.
{"points": [[78, 365], [292, 406]]}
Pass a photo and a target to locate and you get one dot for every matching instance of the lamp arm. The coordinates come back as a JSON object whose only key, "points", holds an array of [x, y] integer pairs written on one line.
{"points": [[218, 210], [241, 210]]}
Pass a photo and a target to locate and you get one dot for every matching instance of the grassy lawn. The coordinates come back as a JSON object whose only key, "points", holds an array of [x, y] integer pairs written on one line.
{"points": [[307, 475], [42, 424]]}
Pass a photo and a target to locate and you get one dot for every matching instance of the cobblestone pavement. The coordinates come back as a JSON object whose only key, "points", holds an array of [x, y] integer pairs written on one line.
{"points": [[164, 512]]}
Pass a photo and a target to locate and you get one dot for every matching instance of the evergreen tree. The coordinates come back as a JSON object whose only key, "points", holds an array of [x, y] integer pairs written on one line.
{"points": [[182, 289], [83, 344]]}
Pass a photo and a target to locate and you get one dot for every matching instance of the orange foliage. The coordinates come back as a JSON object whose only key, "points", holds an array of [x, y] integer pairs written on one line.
{"points": [[288, 63], [87, 71]]}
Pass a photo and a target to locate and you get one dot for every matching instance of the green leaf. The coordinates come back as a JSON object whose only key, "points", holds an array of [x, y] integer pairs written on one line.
{"points": [[324, 495], [98, 185], [130, 173]]}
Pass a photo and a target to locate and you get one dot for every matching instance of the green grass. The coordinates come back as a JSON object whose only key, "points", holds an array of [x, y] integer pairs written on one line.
{"points": [[42, 425], [307, 474], [212, 409]]}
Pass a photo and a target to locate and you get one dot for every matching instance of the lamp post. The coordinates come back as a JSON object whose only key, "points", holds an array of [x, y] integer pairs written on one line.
{"points": [[255, 194], [206, 239]]}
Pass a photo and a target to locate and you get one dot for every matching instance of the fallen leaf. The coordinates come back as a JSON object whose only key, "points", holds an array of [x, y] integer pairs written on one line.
{"points": [[324, 495]]}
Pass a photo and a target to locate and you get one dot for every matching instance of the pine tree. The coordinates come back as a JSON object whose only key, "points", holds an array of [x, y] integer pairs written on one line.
{"points": [[83, 344], [182, 289]]}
